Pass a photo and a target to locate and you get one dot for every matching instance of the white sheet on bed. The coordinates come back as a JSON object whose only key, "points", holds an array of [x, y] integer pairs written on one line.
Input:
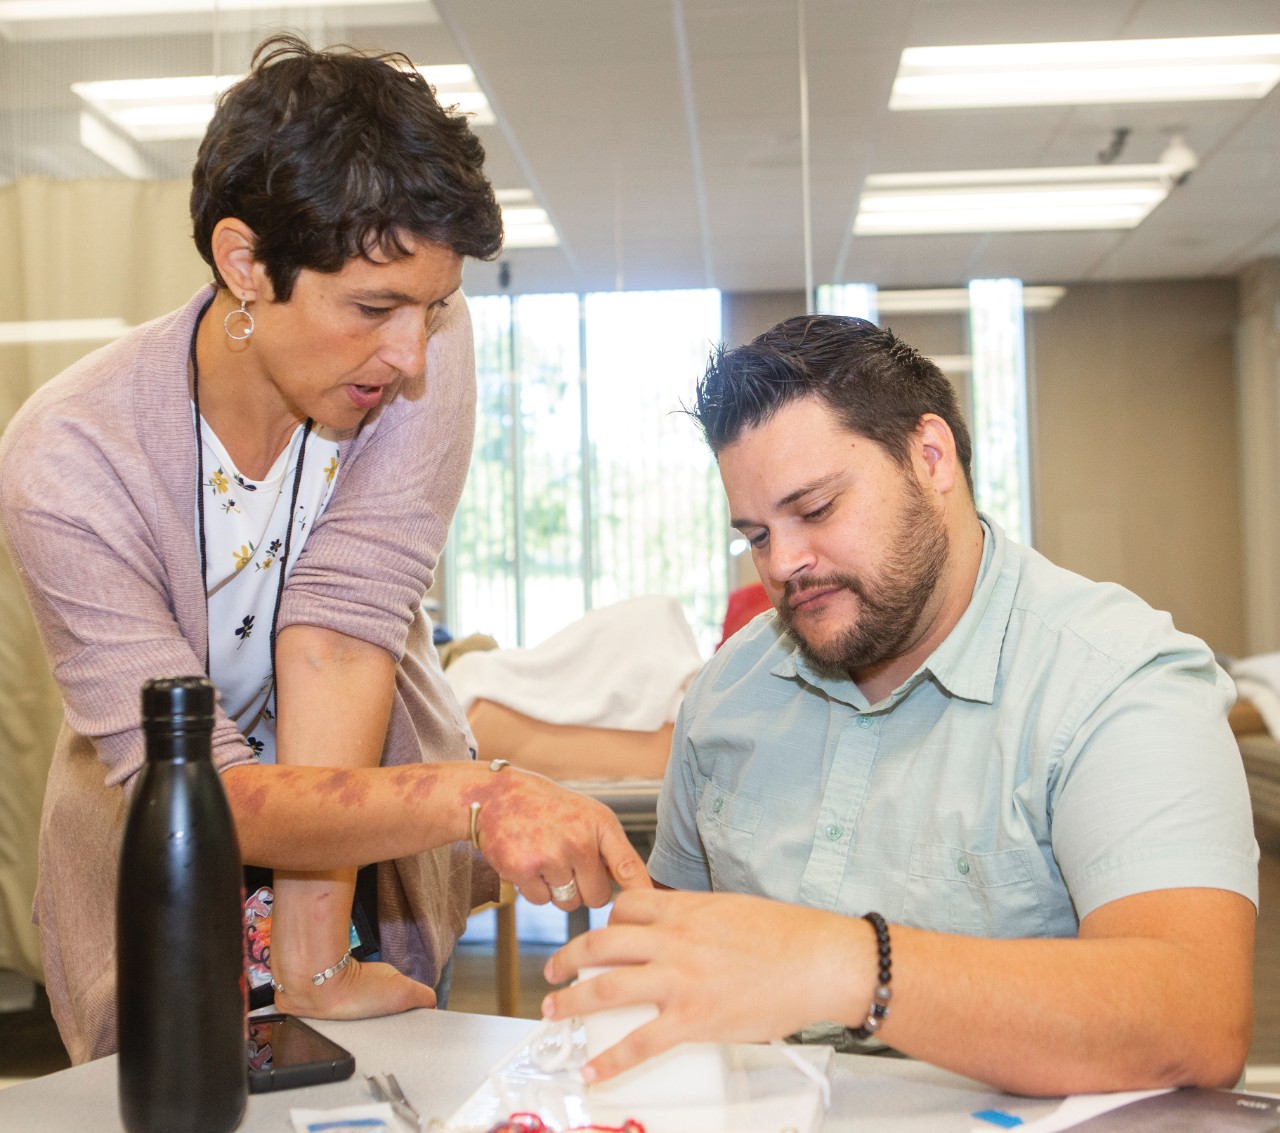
{"points": [[1258, 681], [621, 666]]}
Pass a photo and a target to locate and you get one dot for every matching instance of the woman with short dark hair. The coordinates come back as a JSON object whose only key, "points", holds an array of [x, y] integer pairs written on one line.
{"points": [[258, 486]]}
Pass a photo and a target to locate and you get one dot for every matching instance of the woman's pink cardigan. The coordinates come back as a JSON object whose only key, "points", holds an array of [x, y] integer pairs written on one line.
{"points": [[98, 499]]}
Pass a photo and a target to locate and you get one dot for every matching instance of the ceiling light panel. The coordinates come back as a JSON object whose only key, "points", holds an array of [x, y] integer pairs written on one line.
{"points": [[33, 21], [939, 300], [524, 224], [455, 85], [150, 110], [21, 11], [1010, 200], [114, 148], [1106, 71]]}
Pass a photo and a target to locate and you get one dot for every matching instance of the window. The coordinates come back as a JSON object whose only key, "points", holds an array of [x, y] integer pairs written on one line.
{"points": [[1001, 457], [588, 485], [997, 390], [857, 299]]}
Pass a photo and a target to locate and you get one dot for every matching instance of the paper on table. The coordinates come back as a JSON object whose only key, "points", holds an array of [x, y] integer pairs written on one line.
{"points": [[764, 1092], [346, 1119], [1081, 1107]]}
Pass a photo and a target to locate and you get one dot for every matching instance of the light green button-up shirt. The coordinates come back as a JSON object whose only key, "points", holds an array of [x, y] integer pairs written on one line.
{"points": [[1063, 747]]}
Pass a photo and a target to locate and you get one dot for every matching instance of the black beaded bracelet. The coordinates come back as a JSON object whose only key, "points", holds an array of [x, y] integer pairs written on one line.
{"points": [[880, 1001]]}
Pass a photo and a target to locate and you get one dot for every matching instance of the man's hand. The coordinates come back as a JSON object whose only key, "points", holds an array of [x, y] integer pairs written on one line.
{"points": [[538, 835], [720, 967], [1154, 992], [359, 991]]}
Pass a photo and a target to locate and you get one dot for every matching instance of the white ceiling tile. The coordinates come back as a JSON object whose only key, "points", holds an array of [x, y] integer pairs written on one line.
{"points": [[595, 117]]}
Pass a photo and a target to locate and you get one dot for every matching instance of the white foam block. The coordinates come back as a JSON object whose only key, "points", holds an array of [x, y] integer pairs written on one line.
{"points": [[691, 1074]]}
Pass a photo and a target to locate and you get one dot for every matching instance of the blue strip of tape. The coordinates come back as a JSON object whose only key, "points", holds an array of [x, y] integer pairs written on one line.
{"points": [[345, 1124], [999, 1117]]}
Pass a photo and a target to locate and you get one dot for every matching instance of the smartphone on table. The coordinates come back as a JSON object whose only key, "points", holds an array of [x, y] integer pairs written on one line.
{"points": [[285, 1052]]}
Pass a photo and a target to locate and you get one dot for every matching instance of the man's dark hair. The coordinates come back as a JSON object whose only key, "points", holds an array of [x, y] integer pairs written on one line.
{"points": [[333, 154], [877, 385]]}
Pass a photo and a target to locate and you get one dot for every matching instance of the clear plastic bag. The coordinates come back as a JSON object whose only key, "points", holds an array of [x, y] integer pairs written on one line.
{"points": [[764, 1089]]}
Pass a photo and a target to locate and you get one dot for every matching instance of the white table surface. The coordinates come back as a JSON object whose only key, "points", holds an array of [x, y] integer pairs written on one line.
{"points": [[441, 1057]]}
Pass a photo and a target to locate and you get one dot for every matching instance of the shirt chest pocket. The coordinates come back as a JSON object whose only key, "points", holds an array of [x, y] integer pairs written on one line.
{"points": [[727, 825], [951, 889]]}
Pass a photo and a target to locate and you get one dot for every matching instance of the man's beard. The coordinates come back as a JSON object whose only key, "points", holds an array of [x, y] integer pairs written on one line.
{"points": [[889, 609]]}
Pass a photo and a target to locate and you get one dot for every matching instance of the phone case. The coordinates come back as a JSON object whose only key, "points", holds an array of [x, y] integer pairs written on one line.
{"points": [[325, 1060]]}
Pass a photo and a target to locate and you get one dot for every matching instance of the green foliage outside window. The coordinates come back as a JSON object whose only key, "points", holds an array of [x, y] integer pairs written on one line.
{"points": [[588, 485]]}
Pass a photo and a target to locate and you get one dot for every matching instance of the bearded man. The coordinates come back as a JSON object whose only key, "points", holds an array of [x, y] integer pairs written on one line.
{"points": [[984, 809]]}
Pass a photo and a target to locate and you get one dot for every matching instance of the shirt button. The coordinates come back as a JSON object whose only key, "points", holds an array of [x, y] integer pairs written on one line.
{"points": [[864, 721], [718, 805], [962, 864], [834, 832]]}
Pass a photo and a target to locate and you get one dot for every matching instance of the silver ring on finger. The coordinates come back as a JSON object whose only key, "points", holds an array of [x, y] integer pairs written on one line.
{"points": [[566, 892]]}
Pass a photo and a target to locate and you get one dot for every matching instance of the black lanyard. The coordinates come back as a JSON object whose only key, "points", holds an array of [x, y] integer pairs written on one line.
{"points": [[293, 505]]}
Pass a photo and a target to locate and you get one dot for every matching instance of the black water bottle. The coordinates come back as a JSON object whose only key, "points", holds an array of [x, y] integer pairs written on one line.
{"points": [[179, 943]]}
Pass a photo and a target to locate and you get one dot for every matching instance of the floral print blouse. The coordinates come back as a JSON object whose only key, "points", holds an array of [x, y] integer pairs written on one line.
{"points": [[244, 531]]}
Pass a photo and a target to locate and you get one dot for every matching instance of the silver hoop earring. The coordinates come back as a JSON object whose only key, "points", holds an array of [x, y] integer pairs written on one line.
{"points": [[240, 312]]}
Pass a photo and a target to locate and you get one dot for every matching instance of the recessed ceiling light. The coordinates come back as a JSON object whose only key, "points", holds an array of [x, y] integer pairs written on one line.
{"points": [[455, 85], [956, 299], [1053, 74], [866, 301], [29, 10], [524, 224], [1011, 200], [111, 146], [150, 110]]}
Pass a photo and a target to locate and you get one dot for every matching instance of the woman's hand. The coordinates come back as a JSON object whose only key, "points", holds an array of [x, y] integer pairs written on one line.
{"points": [[720, 967], [359, 991], [541, 838]]}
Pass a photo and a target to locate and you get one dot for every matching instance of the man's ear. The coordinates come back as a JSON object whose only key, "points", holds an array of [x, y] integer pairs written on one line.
{"points": [[233, 255], [935, 447]]}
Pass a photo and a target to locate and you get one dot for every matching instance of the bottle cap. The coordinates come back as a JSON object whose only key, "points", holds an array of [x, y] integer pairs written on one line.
{"points": [[174, 700]]}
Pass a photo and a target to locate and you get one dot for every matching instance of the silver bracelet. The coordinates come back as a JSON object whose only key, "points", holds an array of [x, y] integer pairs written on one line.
{"points": [[494, 765], [319, 977]]}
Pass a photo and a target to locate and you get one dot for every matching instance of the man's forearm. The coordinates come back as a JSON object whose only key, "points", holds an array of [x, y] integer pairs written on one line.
{"points": [[1155, 992], [1068, 1016]]}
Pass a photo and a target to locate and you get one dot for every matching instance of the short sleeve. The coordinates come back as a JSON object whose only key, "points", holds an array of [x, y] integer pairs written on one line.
{"points": [[1151, 793]]}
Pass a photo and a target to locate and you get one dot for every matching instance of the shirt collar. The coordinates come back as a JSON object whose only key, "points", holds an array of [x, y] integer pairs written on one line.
{"points": [[838, 685], [968, 660]]}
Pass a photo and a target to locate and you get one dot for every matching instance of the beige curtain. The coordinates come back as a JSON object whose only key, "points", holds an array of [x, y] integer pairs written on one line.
{"points": [[71, 250]]}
